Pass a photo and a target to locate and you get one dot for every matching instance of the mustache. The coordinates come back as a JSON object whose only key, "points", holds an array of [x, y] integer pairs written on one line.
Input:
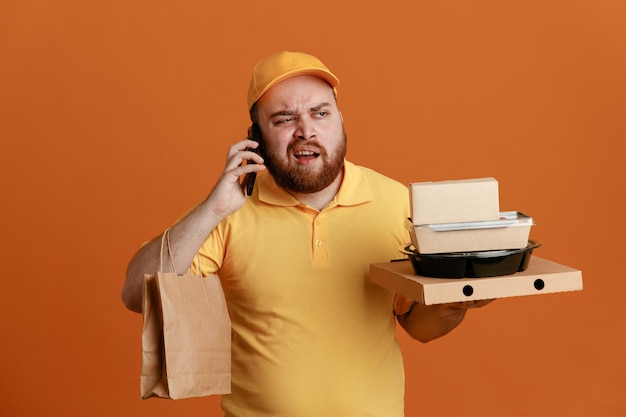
{"points": [[313, 145]]}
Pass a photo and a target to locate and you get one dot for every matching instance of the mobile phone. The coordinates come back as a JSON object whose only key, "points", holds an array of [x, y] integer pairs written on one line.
{"points": [[255, 135]]}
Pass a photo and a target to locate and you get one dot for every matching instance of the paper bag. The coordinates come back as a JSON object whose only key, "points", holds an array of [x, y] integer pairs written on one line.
{"points": [[186, 336]]}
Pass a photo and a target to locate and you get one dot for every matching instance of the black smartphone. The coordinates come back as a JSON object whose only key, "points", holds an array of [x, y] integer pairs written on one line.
{"points": [[255, 135]]}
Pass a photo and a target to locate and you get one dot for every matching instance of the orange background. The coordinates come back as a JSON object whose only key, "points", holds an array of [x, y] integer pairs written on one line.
{"points": [[115, 117]]}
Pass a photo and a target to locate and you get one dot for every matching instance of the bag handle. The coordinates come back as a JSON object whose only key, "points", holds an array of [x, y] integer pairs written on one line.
{"points": [[164, 238]]}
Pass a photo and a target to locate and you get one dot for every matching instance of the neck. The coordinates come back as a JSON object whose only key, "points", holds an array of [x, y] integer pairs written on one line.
{"points": [[320, 199]]}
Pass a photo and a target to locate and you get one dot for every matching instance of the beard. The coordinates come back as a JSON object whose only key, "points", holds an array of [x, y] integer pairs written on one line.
{"points": [[305, 179]]}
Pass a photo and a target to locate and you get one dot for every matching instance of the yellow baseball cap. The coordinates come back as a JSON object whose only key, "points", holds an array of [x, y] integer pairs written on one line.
{"points": [[280, 66]]}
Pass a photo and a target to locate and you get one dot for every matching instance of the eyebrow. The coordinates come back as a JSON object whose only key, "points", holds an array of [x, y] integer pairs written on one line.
{"points": [[291, 112], [319, 107]]}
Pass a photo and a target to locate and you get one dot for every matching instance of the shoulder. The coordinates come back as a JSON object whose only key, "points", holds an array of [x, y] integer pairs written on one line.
{"points": [[379, 182]]}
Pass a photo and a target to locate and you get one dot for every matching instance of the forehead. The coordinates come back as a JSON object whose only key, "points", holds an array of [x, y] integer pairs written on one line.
{"points": [[296, 92]]}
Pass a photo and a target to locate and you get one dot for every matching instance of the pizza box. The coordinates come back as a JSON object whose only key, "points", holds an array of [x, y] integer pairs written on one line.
{"points": [[542, 276]]}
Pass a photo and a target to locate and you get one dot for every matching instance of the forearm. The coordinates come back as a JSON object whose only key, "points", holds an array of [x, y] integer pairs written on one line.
{"points": [[185, 237], [426, 323]]}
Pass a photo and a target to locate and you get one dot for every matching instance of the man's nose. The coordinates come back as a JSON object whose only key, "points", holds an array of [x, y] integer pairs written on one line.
{"points": [[304, 129]]}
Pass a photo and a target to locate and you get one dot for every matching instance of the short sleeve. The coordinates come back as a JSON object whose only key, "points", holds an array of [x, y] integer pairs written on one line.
{"points": [[402, 304], [209, 258]]}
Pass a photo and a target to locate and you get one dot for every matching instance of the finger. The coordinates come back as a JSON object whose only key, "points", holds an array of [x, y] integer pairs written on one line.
{"points": [[481, 303], [242, 145], [465, 305], [235, 174], [477, 303], [237, 160]]}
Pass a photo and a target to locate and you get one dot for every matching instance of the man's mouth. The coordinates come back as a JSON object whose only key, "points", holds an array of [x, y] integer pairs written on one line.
{"points": [[305, 155]]}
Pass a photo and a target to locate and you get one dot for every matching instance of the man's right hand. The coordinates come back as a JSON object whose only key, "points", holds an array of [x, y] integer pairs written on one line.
{"points": [[229, 194]]}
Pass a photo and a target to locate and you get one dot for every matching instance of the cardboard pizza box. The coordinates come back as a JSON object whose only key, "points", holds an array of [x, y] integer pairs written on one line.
{"points": [[541, 277]]}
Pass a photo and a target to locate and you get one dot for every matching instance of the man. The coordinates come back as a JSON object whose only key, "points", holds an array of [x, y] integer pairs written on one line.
{"points": [[311, 335]]}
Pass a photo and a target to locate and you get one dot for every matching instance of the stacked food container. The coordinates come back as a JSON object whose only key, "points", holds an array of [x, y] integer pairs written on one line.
{"points": [[457, 230]]}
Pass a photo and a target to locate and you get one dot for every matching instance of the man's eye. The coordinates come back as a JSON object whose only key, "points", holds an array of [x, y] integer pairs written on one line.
{"points": [[322, 113], [284, 120]]}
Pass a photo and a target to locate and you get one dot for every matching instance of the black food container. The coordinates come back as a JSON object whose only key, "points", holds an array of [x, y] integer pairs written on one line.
{"points": [[478, 264]]}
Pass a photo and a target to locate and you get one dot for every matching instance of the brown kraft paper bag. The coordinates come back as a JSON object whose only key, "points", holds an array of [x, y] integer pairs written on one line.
{"points": [[186, 335]]}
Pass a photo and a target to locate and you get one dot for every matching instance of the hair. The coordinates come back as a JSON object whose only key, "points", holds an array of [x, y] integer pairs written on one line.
{"points": [[254, 116]]}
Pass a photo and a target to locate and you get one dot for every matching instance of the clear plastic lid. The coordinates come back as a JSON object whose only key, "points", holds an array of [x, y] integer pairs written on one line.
{"points": [[507, 219]]}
